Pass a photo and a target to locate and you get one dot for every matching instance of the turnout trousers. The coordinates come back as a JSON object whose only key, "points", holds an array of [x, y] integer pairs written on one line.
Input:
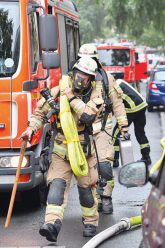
{"points": [[139, 121], [59, 179], [105, 154]]}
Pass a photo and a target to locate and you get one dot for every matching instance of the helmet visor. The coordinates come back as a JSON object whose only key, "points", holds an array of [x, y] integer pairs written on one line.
{"points": [[81, 81]]}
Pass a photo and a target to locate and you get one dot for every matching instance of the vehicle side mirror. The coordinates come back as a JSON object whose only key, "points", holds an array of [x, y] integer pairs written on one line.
{"points": [[48, 32], [50, 60], [137, 58], [30, 85], [133, 174]]}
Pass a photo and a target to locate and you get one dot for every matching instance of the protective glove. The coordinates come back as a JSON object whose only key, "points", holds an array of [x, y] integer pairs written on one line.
{"points": [[27, 135], [125, 135]]}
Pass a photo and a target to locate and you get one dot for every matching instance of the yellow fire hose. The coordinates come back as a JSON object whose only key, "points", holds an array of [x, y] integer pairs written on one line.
{"points": [[76, 155], [125, 223], [159, 162]]}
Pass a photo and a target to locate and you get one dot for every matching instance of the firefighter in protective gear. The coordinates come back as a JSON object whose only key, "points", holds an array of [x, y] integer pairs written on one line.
{"points": [[135, 106], [86, 104], [109, 90]]}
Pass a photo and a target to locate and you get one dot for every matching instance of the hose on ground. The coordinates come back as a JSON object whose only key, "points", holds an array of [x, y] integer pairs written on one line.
{"points": [[123, 225]]}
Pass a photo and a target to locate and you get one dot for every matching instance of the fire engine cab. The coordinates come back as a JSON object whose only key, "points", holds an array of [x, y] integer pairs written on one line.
{"points": [[34, 36], [121, 60]]}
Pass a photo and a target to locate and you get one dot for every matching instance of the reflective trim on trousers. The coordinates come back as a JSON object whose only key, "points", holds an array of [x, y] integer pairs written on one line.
{"points": [[116, 148], [111, 183], [56, 210], [142, 146], [89, 212]]}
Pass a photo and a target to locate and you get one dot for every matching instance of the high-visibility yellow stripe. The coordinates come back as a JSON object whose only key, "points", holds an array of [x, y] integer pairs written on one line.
{"points": [[115, 135], [78, 106], [54, 209], [136, 108], [142, 146], [92, 149], [116, 148], [89, 211], [111, 183], [129, 86], [62, 151], [109, 121], [128, 100], [111, 92], [121, 118]]}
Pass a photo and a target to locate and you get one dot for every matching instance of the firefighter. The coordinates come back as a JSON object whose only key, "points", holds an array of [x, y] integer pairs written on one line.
{"points": [[86, 103], [135, 106], [110, 92]]}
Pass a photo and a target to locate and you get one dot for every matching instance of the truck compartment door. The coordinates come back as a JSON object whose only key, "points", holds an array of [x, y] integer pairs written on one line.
{"points": [[5, 120], [140, 69]]}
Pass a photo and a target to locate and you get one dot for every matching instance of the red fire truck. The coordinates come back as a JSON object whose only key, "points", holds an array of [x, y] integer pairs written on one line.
{"points": [[33, 35], [121, 60]]}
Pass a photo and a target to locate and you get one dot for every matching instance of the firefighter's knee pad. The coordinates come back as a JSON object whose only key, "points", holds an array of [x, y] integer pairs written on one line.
{"points": [[86, 197], [106, 170], [56, 191]]}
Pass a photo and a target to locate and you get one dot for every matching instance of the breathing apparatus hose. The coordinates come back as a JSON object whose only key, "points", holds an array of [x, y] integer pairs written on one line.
{"points": [[76, 155]]}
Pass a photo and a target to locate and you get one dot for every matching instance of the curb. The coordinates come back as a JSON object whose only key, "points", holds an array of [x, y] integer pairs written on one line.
{"points": [[162, 118]]}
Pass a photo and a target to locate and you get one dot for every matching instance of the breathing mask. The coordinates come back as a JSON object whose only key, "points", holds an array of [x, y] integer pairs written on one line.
{"points": [[81, 83]]}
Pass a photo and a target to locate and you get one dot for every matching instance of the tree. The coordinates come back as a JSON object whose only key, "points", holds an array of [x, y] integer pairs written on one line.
{"points": [[134, 18], [91, 20], [6, 31]]}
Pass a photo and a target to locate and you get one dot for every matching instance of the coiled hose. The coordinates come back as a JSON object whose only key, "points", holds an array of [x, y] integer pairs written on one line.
{"points": [[76, 155]]}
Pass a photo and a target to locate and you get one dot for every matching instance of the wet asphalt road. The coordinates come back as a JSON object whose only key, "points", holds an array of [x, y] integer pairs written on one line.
{"points": [[25, 222]]}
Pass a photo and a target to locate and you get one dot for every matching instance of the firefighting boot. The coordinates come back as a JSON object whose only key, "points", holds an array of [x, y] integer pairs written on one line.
{"points": [[89, 230], [107, 206], [116, 163], [100, 207], [146, 159], [51, 231]]}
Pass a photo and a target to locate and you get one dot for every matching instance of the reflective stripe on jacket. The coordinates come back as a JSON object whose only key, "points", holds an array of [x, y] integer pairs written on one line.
{"points": [[87, 111], [132, 99]]}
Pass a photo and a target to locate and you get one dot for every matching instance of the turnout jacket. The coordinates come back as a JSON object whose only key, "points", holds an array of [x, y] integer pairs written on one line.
{"points": [[118, 108], [85, 110], [132, 99]]}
